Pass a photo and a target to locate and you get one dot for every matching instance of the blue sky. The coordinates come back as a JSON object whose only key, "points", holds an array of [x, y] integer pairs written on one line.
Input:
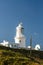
{"points": [[29, 12]]}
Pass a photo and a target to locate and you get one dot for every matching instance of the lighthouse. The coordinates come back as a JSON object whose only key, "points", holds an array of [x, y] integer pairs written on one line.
{"points": [[20, 38]]}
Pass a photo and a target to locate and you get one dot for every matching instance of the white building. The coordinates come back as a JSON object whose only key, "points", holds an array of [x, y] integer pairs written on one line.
{"points": [[19, 39], [5, 43], [37, 47]]}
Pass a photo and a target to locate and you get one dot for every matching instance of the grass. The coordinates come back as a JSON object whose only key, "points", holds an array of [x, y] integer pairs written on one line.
{"points": [[20, 57]]}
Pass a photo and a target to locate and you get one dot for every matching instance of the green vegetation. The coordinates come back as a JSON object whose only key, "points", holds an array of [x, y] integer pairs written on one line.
{"points": [[10, 56]]}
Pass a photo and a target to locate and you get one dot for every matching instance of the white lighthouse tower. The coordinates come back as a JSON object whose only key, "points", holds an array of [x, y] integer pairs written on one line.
{"points": [[20, 38]]}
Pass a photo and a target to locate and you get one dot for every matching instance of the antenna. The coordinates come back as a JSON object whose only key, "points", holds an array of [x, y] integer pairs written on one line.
{"points": [[31, 42], [30, 45]]}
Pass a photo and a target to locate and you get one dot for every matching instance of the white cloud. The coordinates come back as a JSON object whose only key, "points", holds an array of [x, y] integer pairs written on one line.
{"points": [[35, 33]]}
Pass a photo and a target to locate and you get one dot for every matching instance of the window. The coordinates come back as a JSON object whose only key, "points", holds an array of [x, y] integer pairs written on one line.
{"points": [[20, 41]]}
